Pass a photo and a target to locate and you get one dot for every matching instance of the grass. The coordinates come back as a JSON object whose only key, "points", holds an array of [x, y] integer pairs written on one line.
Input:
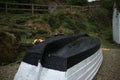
{"points": [[97, 22], [26, 40]]}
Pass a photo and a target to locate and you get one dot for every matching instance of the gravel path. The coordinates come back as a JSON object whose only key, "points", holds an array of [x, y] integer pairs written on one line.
{"points": [[110, 69]]}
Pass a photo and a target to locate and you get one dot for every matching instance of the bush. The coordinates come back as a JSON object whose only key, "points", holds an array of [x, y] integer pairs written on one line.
{"points": [[61, 19], [100, 17], [7, 41], [78, 2], [108, 4], [118, 4]]}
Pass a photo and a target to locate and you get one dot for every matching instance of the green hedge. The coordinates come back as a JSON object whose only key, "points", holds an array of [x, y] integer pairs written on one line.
{"points": [[78, 2]]}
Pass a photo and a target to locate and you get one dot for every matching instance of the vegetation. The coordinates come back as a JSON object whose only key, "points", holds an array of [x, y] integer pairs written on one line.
{"points": [[20, 1], [24, 29], [7, 53], [97, 23], [34, 1], [107, 4], [118, 4], [78, 2]]}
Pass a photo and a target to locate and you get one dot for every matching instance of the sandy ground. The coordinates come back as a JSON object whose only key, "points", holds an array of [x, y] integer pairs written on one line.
{"points": [[110, 69]]}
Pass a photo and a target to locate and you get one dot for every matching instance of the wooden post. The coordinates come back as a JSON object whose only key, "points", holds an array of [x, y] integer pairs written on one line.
{"points": [[71, 9], [49, 8], [6, 8], [89, 9], [32, 9]]}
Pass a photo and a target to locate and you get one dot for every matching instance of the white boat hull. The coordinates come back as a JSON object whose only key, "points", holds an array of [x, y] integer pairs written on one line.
{"points": [[85, 70]]}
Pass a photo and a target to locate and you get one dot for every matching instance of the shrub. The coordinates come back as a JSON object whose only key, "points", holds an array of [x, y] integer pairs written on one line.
{"points": [[61, 19], [108, 4], [7, 54], [118, 4], [39, 21], [78, 2]]}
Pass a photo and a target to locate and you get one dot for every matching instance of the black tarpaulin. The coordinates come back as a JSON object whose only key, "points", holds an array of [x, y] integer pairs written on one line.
{"points": [[62, 52]]}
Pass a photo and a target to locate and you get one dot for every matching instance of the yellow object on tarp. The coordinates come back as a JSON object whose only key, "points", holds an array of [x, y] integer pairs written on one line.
{"points": [[36, 41]]}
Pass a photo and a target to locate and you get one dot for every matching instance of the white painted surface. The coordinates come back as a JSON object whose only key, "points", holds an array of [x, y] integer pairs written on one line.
{"points": [[116, 26], [28, 72], [49, 74], [84, 70]]}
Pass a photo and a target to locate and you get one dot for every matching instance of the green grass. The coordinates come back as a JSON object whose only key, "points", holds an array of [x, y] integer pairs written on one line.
{"points": [[26, 40], [97, 22]]}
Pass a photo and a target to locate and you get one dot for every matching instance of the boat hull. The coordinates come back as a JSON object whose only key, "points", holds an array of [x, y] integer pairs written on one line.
{"points": [[76, 57], [85, 70]]}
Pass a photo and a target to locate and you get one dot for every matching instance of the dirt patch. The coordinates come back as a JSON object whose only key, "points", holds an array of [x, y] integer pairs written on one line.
{"points": [[110, 69], [7, 72]]}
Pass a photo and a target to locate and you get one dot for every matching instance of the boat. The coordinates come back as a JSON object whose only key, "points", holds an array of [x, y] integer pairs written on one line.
{"points": [[76, 57]]}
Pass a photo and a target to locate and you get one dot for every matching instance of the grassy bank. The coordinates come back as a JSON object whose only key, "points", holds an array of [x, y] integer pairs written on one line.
{"points": [[96, 22]]}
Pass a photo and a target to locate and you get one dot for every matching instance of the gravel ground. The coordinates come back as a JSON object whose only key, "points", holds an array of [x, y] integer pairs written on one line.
{"points": [[7, 72], [110, 69]]}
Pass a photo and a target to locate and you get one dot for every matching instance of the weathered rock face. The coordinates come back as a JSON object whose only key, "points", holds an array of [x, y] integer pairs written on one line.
{"points": [[6, 47]]}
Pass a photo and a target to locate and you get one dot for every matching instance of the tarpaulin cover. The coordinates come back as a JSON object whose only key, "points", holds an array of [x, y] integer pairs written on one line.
{"points": [[62, 52]]}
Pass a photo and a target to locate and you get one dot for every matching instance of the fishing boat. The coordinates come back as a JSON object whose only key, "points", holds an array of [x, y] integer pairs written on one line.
{"points": [[76, 57]]}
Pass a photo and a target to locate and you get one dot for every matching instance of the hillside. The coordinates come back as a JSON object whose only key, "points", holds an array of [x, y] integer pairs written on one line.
{"points": [[36, 1], [78, 2], [21, 29], [96, 21]]}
